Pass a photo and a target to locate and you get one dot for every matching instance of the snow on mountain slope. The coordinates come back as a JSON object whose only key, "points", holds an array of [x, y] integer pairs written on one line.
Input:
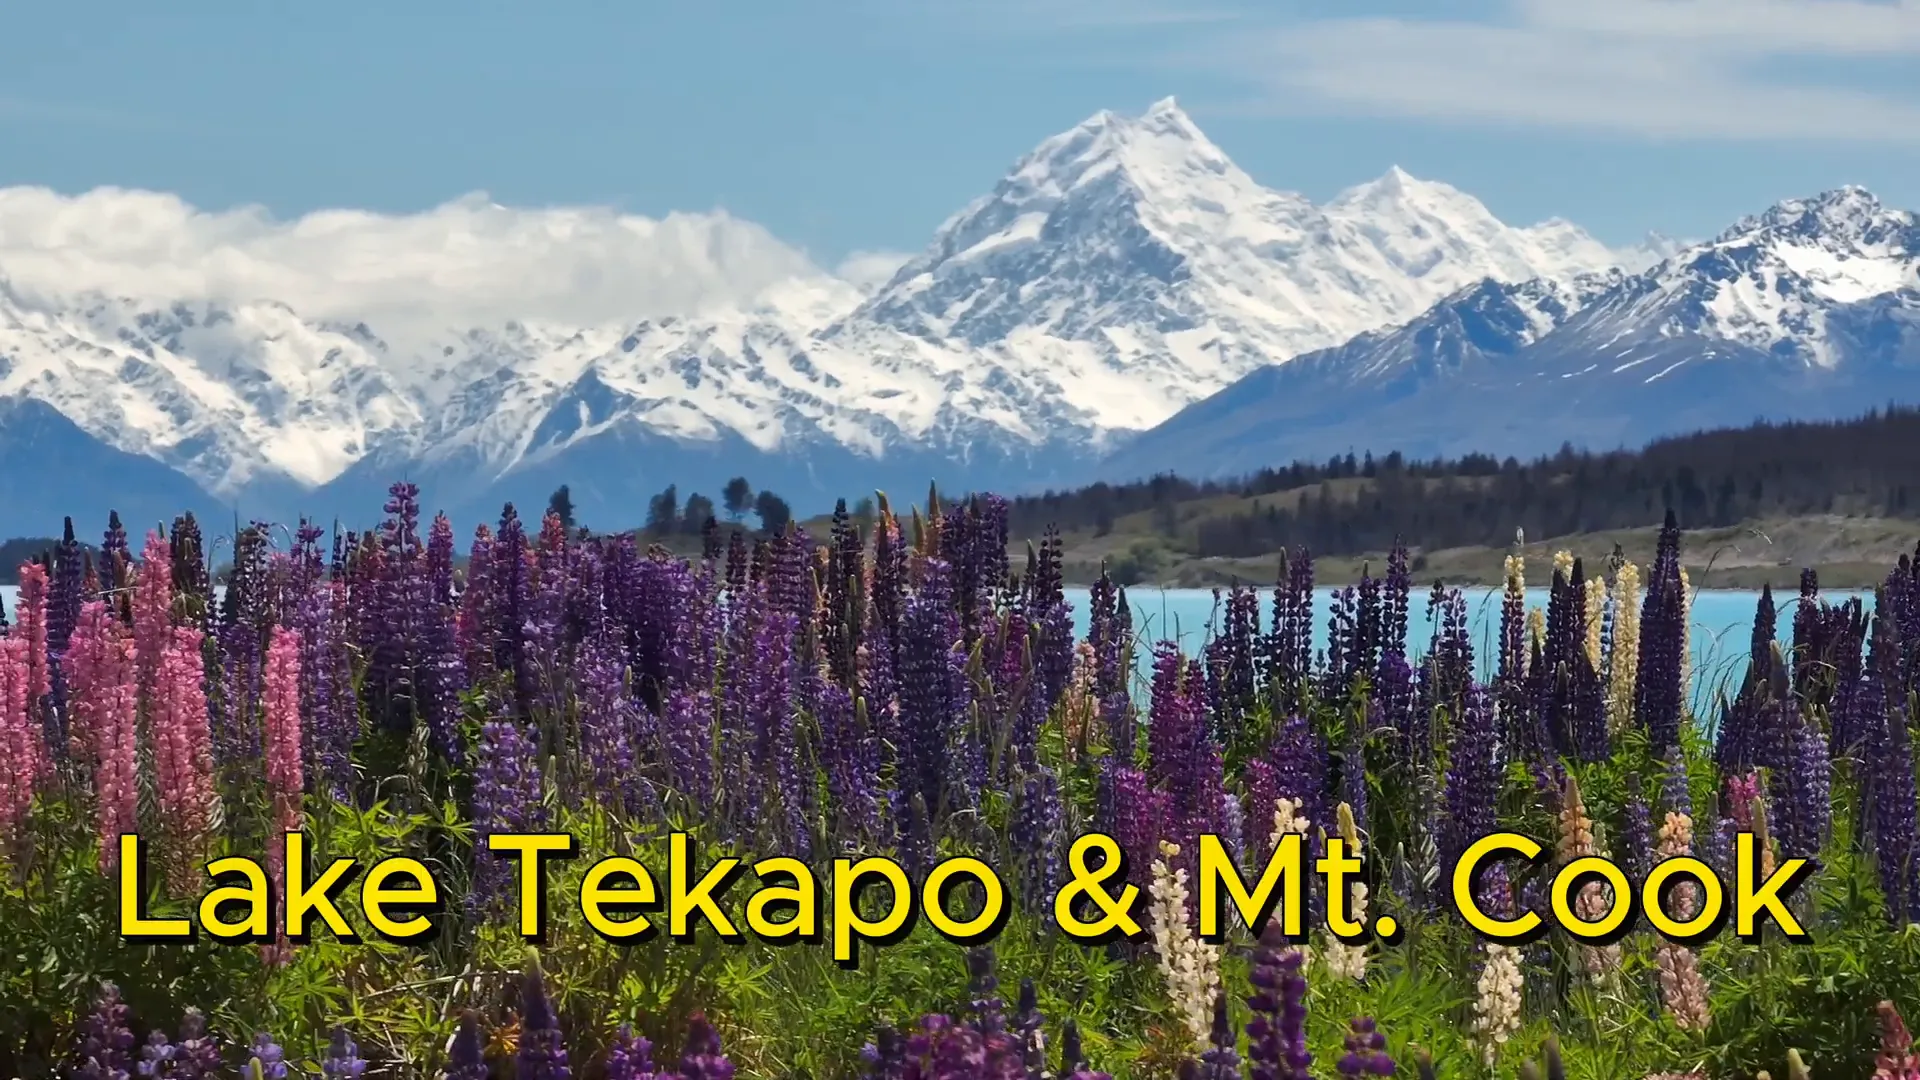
{"points": [[1119, 271], [1127, 267], [226, 395], [1809, 310]]}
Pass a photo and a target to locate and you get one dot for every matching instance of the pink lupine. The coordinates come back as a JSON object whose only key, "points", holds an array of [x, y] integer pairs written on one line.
{"points": [[280, 699], [32, 628], [20, 738], [152, 608], [100, 666], [182, 751]]}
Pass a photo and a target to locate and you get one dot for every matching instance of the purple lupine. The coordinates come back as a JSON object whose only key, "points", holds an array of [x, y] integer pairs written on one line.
{"points": [[1896, 803], [467, 1052], [542, 1054], [1232, 681], [1848, 677], [477, 626], [268, 1057], [609, 721], [1141, 816], [1290, 637], [157, 1056], [196, 1055], [343, 1058], [396, 614], [1472, 789], [1106, 635], [327, 703], [1658, 695], [1343, 644], [1676, 794], [1636, 830], [1299, 760], [1366, 1051], [942, 764], [106, 1050], [511, 582], [630, 1057], [506, 799], [985, 1006], [703, 1059], [844, 593], [1801, 784], [686, 744], [1277, 1034], [1037, 837], [1220, 1061], [853, 759]]}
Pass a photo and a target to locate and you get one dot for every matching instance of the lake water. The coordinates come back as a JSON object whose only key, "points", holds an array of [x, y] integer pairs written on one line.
{"points": [[1721, 624]]}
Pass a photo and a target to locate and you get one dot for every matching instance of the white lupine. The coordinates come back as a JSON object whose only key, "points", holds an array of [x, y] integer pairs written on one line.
{"points": [[1287, 818], [1496, 1007], [1344, 960], [1191, 966]]}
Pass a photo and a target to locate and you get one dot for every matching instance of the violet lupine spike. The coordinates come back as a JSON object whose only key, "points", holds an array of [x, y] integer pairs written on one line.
{"points": [[329, 707], [1036, 836], [506, 799], [983, 990], [1658, 695], [1277, 1034], [630, 1057], [1896, 803], [1027, 1023], [1636, 832], [703, 1058], [477, 628], [268, 1057], [542, 1053], [511, 580], [106, 1050], [942, 763], [467, 1052], [609, 719], [343, 1060], [1472, 789], [1220, 1061], [157, 1056], [196, 1054], [1366, 1051]]}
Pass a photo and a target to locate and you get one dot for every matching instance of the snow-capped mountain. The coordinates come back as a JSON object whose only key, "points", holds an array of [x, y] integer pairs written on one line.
{"points": [[1810, 310], [1120, 271]]}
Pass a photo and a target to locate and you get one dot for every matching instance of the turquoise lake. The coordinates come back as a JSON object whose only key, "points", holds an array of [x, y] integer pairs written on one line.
{"points": [[1720, 624]]}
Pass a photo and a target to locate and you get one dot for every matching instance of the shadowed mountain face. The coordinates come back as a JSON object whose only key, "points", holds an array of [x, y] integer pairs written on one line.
{"points": [[1808, 311], [1120, 271]]}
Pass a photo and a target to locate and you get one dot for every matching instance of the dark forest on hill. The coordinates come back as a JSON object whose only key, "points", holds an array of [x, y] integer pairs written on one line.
{"points": [[1866, 466]]}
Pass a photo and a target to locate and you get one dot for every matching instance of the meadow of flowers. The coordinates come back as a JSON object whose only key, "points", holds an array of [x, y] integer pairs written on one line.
{"points": [[917, 692]]}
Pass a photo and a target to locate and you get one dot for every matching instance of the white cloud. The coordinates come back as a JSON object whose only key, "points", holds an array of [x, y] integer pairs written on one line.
{"points": [[868, 270], [1662, 68], [466, 263]]}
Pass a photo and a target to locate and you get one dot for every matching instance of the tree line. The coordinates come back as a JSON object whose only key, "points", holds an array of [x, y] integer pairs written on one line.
{"points": [[669, 515], [1866, 466]]}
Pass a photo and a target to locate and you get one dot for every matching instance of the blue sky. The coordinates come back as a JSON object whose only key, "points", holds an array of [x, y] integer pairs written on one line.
{"points": [[860, 124]]}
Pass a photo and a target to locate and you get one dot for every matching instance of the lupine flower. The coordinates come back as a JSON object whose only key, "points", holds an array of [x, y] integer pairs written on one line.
{"points": [[1191, 966], [467, 1051], [157, 1056], [703, 1059], [1277, 1034], [102, 699], [1366, 1051], [268, 1059], [1496, 1005], [343, 1057], [1896, 1060], [1346, 961], [506, 799], [20, 737], [30, 611], [630, 1057], [182, 753], [543, 1052], [106, 1051], [1576, 841]]}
